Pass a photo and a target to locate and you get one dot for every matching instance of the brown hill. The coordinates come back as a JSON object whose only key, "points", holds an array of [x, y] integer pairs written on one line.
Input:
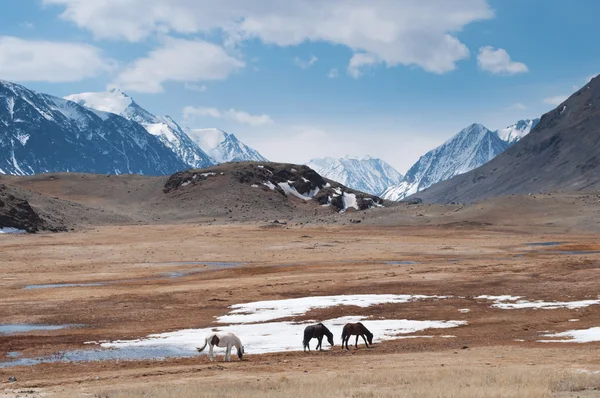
{"points": [[244, 191]]}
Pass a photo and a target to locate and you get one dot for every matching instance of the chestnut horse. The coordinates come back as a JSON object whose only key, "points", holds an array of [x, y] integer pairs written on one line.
{"points": [[316, 331], [357, 329]]}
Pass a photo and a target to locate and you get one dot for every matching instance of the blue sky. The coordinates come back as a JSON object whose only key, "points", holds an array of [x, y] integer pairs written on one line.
{"points": [[303, 79]]}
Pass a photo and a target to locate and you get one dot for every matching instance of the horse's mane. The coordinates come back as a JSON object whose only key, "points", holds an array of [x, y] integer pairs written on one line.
{"points": [[365, 330]]}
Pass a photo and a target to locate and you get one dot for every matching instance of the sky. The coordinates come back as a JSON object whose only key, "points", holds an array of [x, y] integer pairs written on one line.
{"points": [[306, 78]]}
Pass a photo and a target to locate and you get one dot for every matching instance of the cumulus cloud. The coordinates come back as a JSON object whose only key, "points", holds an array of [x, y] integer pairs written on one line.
{"points": [[190, 112], [498, 61], [40, 60], [177, 60], [359, 62], [305, 64], [408, 32], [333, 73], [555, 100], [195, 87]]}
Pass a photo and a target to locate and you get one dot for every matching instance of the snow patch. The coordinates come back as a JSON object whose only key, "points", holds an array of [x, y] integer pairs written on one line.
{"points": [[574, 336], [514, 302], [263, 311], [9, 230]]}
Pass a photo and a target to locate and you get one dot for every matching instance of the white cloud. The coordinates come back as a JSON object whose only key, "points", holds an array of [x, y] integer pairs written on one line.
{"points": [[407, 32], [195, 87], [518, 106], [305, 64], [177, 60], [498, 61], [333, 73], [556, 100], [360, 61], [190, 112], [40, 60]]}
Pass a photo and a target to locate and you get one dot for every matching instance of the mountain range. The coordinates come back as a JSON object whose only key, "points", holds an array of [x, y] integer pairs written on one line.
{"points": [[472, 147], [42, 133], [561, 153], [366, 174], [106, 133]]}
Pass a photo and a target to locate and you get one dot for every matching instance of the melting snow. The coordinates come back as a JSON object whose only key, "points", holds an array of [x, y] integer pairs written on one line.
{"points": [[284, 336], [269, 184], [513, 302], [574, 336], [291, 190], [349, 201], [262, 311]]}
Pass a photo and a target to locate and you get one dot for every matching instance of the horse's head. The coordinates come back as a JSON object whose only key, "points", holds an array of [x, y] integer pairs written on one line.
{"points": [[369, 337], [330, 339], [240, 352]]}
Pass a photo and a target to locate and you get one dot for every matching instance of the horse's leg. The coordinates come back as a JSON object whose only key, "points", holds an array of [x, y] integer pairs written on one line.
{"points": [[210, 353], [356, 342], [367, 344], [319, 346], [347, 340], [227, 353]]}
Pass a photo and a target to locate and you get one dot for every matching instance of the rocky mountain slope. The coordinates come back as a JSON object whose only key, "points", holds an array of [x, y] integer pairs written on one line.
{"points": [[41, 133], [366, 174], [560, 153], [470, 148]]}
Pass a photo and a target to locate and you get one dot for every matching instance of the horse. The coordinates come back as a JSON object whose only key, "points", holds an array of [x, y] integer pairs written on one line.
{"points": [[316, 331], [357, 329], [223, 340]]}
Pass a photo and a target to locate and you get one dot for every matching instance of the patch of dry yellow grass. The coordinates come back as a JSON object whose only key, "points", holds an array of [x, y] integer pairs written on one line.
{"points": [[447, 383]]}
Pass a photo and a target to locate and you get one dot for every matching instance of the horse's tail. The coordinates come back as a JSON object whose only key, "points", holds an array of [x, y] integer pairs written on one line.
{"points": [[200, 349], [343, 333]]}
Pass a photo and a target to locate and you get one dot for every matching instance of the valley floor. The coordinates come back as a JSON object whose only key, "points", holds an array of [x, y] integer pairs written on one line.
{"points": [[126, 282]]}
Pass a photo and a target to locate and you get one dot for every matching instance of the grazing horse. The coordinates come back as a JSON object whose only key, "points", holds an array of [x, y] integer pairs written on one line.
{"points": [[316, 331], [222, 340], [357, 329]]}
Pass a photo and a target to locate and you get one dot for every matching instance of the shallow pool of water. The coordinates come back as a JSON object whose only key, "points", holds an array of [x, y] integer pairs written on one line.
{"points": [[61, 285], [25, 328], [401, 262], [546, 243]]}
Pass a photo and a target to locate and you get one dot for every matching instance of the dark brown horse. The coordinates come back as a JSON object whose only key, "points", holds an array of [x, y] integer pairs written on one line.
{"points": [[357, 329], [316, 331]]}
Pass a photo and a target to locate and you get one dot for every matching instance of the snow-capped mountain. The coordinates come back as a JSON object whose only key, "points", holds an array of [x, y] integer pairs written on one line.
{"points": [[474, 146], [223, 147], [515, 132], [163, 127], [366, 174], [41, 133]]}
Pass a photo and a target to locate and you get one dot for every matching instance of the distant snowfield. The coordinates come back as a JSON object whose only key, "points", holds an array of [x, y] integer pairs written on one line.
{"points": [[574, 336], [247, 321], [514, 302]]}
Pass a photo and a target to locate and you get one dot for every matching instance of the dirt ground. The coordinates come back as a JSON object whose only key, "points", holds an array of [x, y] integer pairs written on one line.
{"points": [[290, 261]]}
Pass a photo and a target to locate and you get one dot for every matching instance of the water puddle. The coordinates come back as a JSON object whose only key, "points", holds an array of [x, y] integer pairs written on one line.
{"points": [[13, 354], [8, 329], [61, 285], [546, 243], [401, 262], [162, 275]]}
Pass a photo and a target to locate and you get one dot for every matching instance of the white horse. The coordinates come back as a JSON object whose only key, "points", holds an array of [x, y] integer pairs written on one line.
{"points": [[222, 340]]}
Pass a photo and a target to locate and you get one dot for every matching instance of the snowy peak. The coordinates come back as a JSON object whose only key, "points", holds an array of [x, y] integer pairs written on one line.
{"points": [[366, 174], [222, 146], [515, 132], [472, 147], [164, 128]]}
